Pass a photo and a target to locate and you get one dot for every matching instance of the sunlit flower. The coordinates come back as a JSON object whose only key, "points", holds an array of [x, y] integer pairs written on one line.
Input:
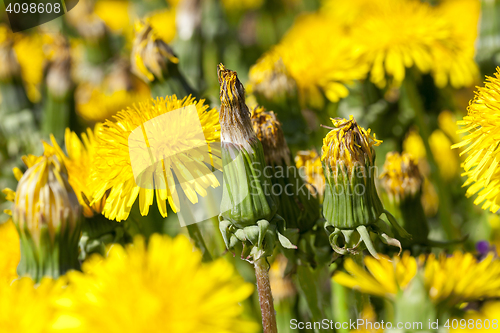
{"points": [[78, 162], [384, 277], [310, 162], [401, 177], [117, 181], [446, 158], [159, 287], [29, 308], [481, 145], [321, 58], [9, 251], [351, 200]]}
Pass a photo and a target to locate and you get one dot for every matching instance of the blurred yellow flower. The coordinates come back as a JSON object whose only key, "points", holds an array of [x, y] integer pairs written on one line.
{"points": [[368, 315], [399, 34], [461, 277], [117, 179], [321, 58], [163, 24], [309, 162], [281, 286], [401, 177], [10, 251], [159, 287], [29, 308], [481, 145], [114, 13], [30, 55], [452, 279], [385, 277], [446, 158]]}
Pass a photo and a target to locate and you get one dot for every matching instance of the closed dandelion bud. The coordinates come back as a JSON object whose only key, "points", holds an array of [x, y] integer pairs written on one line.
{"points": [[47, 215], [352, 207], [403, 182], [248, 208], [297, 205], [154, 61]]}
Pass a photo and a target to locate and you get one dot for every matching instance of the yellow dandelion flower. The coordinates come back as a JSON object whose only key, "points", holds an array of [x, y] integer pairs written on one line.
{"points": [[319, 56], [10, 251], [161, 287], [115, 14], [310, 162], [446, 159], [31, 58], [116, 142], [401, 176], [29, 308], [385, 277], [9, 68], [461, 278], [481, 145], [413, 33], [450, 279], [79, 162]]}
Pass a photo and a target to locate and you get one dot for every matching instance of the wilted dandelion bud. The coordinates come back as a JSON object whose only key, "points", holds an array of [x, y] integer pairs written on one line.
{"points": [[248, 207], [47, 215], [403, 182], [297, 205], [352, 207]]}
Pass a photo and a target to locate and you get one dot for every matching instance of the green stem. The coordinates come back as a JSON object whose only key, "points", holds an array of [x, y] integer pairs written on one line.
{"points": [[195, 234], [340, 305], [265, 296], [361, 300], [56, 116], [410, 95]]}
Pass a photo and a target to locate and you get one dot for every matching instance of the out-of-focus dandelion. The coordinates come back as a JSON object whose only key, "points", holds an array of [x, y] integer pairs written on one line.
{"points": [[9, 251], [48, 217], [115, 14], [241, 5], [329, 64], [297, 205], [403, 182], [481, 145], [487, 316], [9, 67], [116, 180], [386, 279], [281, 285], [160, 287], [163, 24], [310, 163], [352, 206], [88, 24], [448, 280], [26, 307]]}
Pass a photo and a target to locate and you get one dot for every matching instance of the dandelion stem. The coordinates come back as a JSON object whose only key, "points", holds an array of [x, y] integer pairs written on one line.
{"points": [[410, 95], [195, 234], [265, 296]]}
